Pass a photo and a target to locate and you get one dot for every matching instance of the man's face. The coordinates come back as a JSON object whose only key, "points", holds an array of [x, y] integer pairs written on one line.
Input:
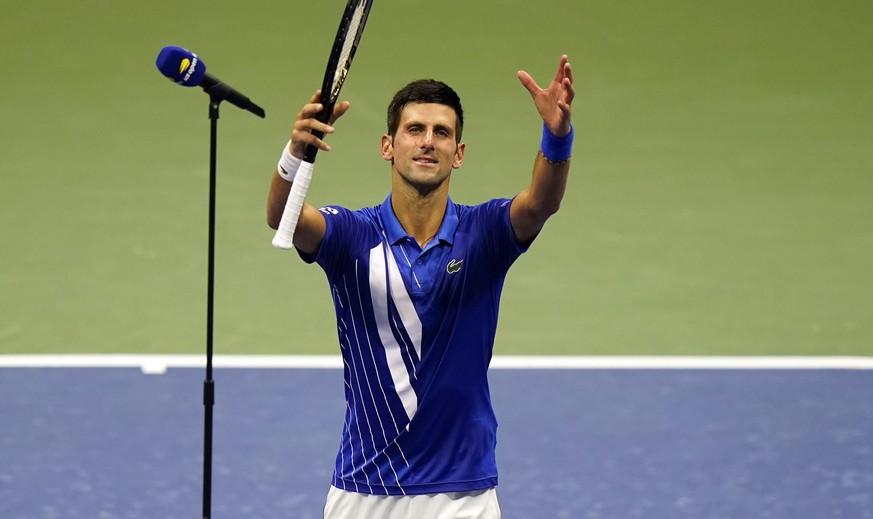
{"points": [[424, 150]]}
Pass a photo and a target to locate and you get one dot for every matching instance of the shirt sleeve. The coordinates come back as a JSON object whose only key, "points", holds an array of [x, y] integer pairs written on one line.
{"points": [[502, 246], [346, 233]]}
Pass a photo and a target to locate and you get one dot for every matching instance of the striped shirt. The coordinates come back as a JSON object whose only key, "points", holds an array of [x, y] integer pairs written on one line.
{"points": [[416, 330]]}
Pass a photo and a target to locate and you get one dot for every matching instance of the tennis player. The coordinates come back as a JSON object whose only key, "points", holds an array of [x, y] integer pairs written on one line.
{"points": [[416, 284]]}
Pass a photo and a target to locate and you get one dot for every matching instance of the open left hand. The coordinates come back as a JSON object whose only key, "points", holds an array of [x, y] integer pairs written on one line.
{"points": [[553, 102]]}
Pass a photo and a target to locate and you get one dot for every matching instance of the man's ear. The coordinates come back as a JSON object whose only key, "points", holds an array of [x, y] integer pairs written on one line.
{"points": [[387, 148], [459, 155]]}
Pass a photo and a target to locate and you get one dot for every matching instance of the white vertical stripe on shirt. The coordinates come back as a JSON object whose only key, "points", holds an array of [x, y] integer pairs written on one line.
{"points": [[404, 305], [379, 293]]}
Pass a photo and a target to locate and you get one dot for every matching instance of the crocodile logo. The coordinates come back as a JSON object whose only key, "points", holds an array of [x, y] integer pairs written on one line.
{"points": [[454, 266]]}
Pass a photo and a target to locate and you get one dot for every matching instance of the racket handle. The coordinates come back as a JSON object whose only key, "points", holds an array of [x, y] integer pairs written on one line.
{"points": [[284, 238]]}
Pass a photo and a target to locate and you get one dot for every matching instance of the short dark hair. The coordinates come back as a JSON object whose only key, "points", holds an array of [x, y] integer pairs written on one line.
{"points": [[425, 91]]}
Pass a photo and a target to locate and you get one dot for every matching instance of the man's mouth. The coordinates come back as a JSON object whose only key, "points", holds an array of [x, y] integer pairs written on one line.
{"points": [[425, 160]]}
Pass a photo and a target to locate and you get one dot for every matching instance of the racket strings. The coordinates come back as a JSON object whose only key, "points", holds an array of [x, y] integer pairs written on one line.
{"points": [[346, 55]]}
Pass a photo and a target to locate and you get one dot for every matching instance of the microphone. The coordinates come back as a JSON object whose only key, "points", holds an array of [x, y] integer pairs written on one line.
{"points": [[187, 69]]}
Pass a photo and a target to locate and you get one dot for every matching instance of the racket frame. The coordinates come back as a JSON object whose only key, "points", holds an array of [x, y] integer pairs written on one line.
{"points": [[284, 237]]}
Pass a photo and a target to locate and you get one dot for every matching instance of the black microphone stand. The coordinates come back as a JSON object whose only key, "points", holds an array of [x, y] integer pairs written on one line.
{"points": [[209, 383], [216, 95]]}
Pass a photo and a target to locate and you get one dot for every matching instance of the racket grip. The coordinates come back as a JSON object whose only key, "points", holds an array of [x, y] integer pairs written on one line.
{"points": [[284, 238]]}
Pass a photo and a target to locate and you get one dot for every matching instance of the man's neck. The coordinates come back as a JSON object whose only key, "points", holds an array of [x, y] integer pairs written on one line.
{"points": [[420, 214]]}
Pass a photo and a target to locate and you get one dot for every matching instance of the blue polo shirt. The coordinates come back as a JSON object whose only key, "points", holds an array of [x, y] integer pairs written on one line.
{"points": [[416, 331]]}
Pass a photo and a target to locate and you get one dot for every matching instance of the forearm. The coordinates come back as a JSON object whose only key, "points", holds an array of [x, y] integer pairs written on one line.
{"points": [[280, 186], [539, 200], [279, 189], [547, 187], [310, 223], [542, 198], [550, 171]]}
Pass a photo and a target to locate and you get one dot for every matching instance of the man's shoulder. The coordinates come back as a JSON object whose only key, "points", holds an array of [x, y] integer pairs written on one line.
{"points": [[364, 214], [494, 207], [358, 227]]}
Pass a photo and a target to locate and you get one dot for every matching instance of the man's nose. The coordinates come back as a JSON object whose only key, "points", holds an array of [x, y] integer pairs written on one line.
{"points": [[428, 139]]}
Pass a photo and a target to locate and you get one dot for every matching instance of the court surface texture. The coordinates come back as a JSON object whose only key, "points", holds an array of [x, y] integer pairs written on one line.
{"points": [[598, 438]]}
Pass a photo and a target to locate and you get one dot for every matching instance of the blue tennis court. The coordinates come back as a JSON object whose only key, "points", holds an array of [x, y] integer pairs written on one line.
{"points": [[574, 443]]}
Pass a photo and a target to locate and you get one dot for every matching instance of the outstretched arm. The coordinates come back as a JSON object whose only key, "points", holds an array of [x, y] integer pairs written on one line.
{"points": [[535, 204], [311, 225]]}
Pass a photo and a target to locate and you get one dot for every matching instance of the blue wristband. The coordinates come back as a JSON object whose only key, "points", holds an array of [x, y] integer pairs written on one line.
{"points": [[556, 150]]}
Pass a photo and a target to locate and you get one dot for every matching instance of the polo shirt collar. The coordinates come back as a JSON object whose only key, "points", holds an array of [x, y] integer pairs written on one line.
{"points": [[395, 231]]}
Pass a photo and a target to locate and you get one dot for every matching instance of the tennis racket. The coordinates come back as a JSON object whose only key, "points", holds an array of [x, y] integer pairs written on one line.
{"points": [[344, 46]]}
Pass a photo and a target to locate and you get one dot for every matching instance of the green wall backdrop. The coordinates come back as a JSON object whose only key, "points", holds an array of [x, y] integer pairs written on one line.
{"points": [[721, 199]]}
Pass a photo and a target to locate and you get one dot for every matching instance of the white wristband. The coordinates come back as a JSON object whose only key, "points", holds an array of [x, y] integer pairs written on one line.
{"points": [[288, 164]]}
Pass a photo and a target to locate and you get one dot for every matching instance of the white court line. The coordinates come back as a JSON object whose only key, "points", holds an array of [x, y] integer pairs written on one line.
{"points": [[160, 363]]}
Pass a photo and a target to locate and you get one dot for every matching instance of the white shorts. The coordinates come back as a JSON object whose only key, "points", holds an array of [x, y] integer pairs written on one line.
{"points": [[479, 504]]}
